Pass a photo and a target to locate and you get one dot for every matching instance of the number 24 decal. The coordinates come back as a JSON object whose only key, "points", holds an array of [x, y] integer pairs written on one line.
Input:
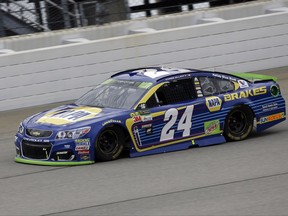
{"points": [[184, 123]]}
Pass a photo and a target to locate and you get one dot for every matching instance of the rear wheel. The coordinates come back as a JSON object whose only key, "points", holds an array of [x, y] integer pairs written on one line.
{"points": [[109, 144], [238, 123]]}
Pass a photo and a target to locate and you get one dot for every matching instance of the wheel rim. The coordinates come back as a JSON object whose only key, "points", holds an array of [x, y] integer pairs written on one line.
{"points": [[237, 122], [108, 141]]}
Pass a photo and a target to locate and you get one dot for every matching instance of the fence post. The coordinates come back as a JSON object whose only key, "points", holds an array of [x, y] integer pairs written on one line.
{"points": [[2, 30], [168, 9], [66, 18], [38, 11], [117, 9]]}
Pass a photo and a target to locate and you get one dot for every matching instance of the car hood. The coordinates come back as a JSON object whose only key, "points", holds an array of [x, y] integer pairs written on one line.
{"points": [[69, 115]]}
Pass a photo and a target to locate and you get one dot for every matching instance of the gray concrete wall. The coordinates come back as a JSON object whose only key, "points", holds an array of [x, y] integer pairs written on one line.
{"points": [[70, 64]]}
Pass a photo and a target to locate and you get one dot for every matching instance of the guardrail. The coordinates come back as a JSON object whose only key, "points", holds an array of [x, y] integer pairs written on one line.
{"points": [[70, 62]]}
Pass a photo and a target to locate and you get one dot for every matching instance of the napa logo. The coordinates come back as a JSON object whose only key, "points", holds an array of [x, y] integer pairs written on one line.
{"points": [[213, 103], [69, 115]]}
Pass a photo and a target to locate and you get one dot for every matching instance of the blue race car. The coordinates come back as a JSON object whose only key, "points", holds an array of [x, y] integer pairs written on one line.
{"points": [[151, 110]]}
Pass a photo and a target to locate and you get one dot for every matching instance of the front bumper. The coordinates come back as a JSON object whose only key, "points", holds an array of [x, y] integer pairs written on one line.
{"points": [[53, 152]]}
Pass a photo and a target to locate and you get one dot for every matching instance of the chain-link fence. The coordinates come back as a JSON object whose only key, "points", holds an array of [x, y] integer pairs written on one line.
{"points": [[29, 16]]}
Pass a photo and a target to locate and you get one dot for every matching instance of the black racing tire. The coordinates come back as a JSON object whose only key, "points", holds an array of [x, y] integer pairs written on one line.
{"points": [[238, 123], [109, 144]]}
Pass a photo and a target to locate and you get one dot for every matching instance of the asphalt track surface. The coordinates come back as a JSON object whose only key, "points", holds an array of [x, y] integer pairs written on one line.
{"points": [[241, 178]]}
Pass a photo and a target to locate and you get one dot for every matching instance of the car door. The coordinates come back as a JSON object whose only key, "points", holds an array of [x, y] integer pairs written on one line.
{"points": [[166, 117]]}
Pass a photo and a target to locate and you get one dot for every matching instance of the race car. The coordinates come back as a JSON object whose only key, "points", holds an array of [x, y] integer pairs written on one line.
{"points": [[151, 110]]}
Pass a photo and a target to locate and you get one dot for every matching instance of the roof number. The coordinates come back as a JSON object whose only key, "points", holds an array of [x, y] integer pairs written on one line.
{"points": [[152, 73]]}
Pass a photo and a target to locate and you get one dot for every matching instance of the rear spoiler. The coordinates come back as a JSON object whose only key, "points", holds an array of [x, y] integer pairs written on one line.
{"points": [[255, 77]]}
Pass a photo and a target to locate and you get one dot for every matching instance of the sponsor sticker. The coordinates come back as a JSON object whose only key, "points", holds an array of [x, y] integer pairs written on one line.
{"points": [[137, 117], [213, 103], [67, 116], [269, 107], [145, 85], [146, 118], [146, 126], [271, 118], [62, 153], [82, 144], [243, 84], [85, 157], [245, 94], [84, 152], [36, 140], [223, 76], [111, 121], [212, 127]]}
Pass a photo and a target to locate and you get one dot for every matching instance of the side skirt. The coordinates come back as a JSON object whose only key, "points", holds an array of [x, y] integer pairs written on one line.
{"points": [[205, 141]]}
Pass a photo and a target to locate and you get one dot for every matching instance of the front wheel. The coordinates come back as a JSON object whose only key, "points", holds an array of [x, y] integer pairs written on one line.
{"points": [[238, 123], [109, 144]]}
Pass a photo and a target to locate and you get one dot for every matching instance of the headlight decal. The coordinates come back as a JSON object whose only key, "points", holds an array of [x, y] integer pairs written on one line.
{"points": [[73, 134]]}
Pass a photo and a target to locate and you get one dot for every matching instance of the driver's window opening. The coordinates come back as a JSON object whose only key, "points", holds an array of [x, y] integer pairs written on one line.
{"points": [[171, 93]]}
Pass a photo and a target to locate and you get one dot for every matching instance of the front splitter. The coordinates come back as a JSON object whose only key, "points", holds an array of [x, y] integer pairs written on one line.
{"points": [[52, 163]]}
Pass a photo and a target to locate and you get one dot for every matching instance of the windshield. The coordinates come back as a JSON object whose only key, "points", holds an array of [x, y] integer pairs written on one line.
{"points": [[114, 94]]}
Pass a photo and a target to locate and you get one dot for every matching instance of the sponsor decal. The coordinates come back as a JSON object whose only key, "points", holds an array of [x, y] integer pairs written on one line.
{"points": [[145, 85], [178, 77], [212, 127], [62, 153], [245, 94], [111, 121], [67, 146], [243, 84], [82, 144], [223, 76], [271, 118], [36, 140], [198, 87], [213, 103], [84, 152], [85, 157], [199, 93], [67, 116], [137, 136], [269, 107], [148, 129], [137, 117], [146, 126], [146, 118]]}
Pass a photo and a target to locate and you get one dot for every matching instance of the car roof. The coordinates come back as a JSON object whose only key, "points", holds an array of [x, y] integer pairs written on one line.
{"points": [[152, 74], [160, 74]]}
